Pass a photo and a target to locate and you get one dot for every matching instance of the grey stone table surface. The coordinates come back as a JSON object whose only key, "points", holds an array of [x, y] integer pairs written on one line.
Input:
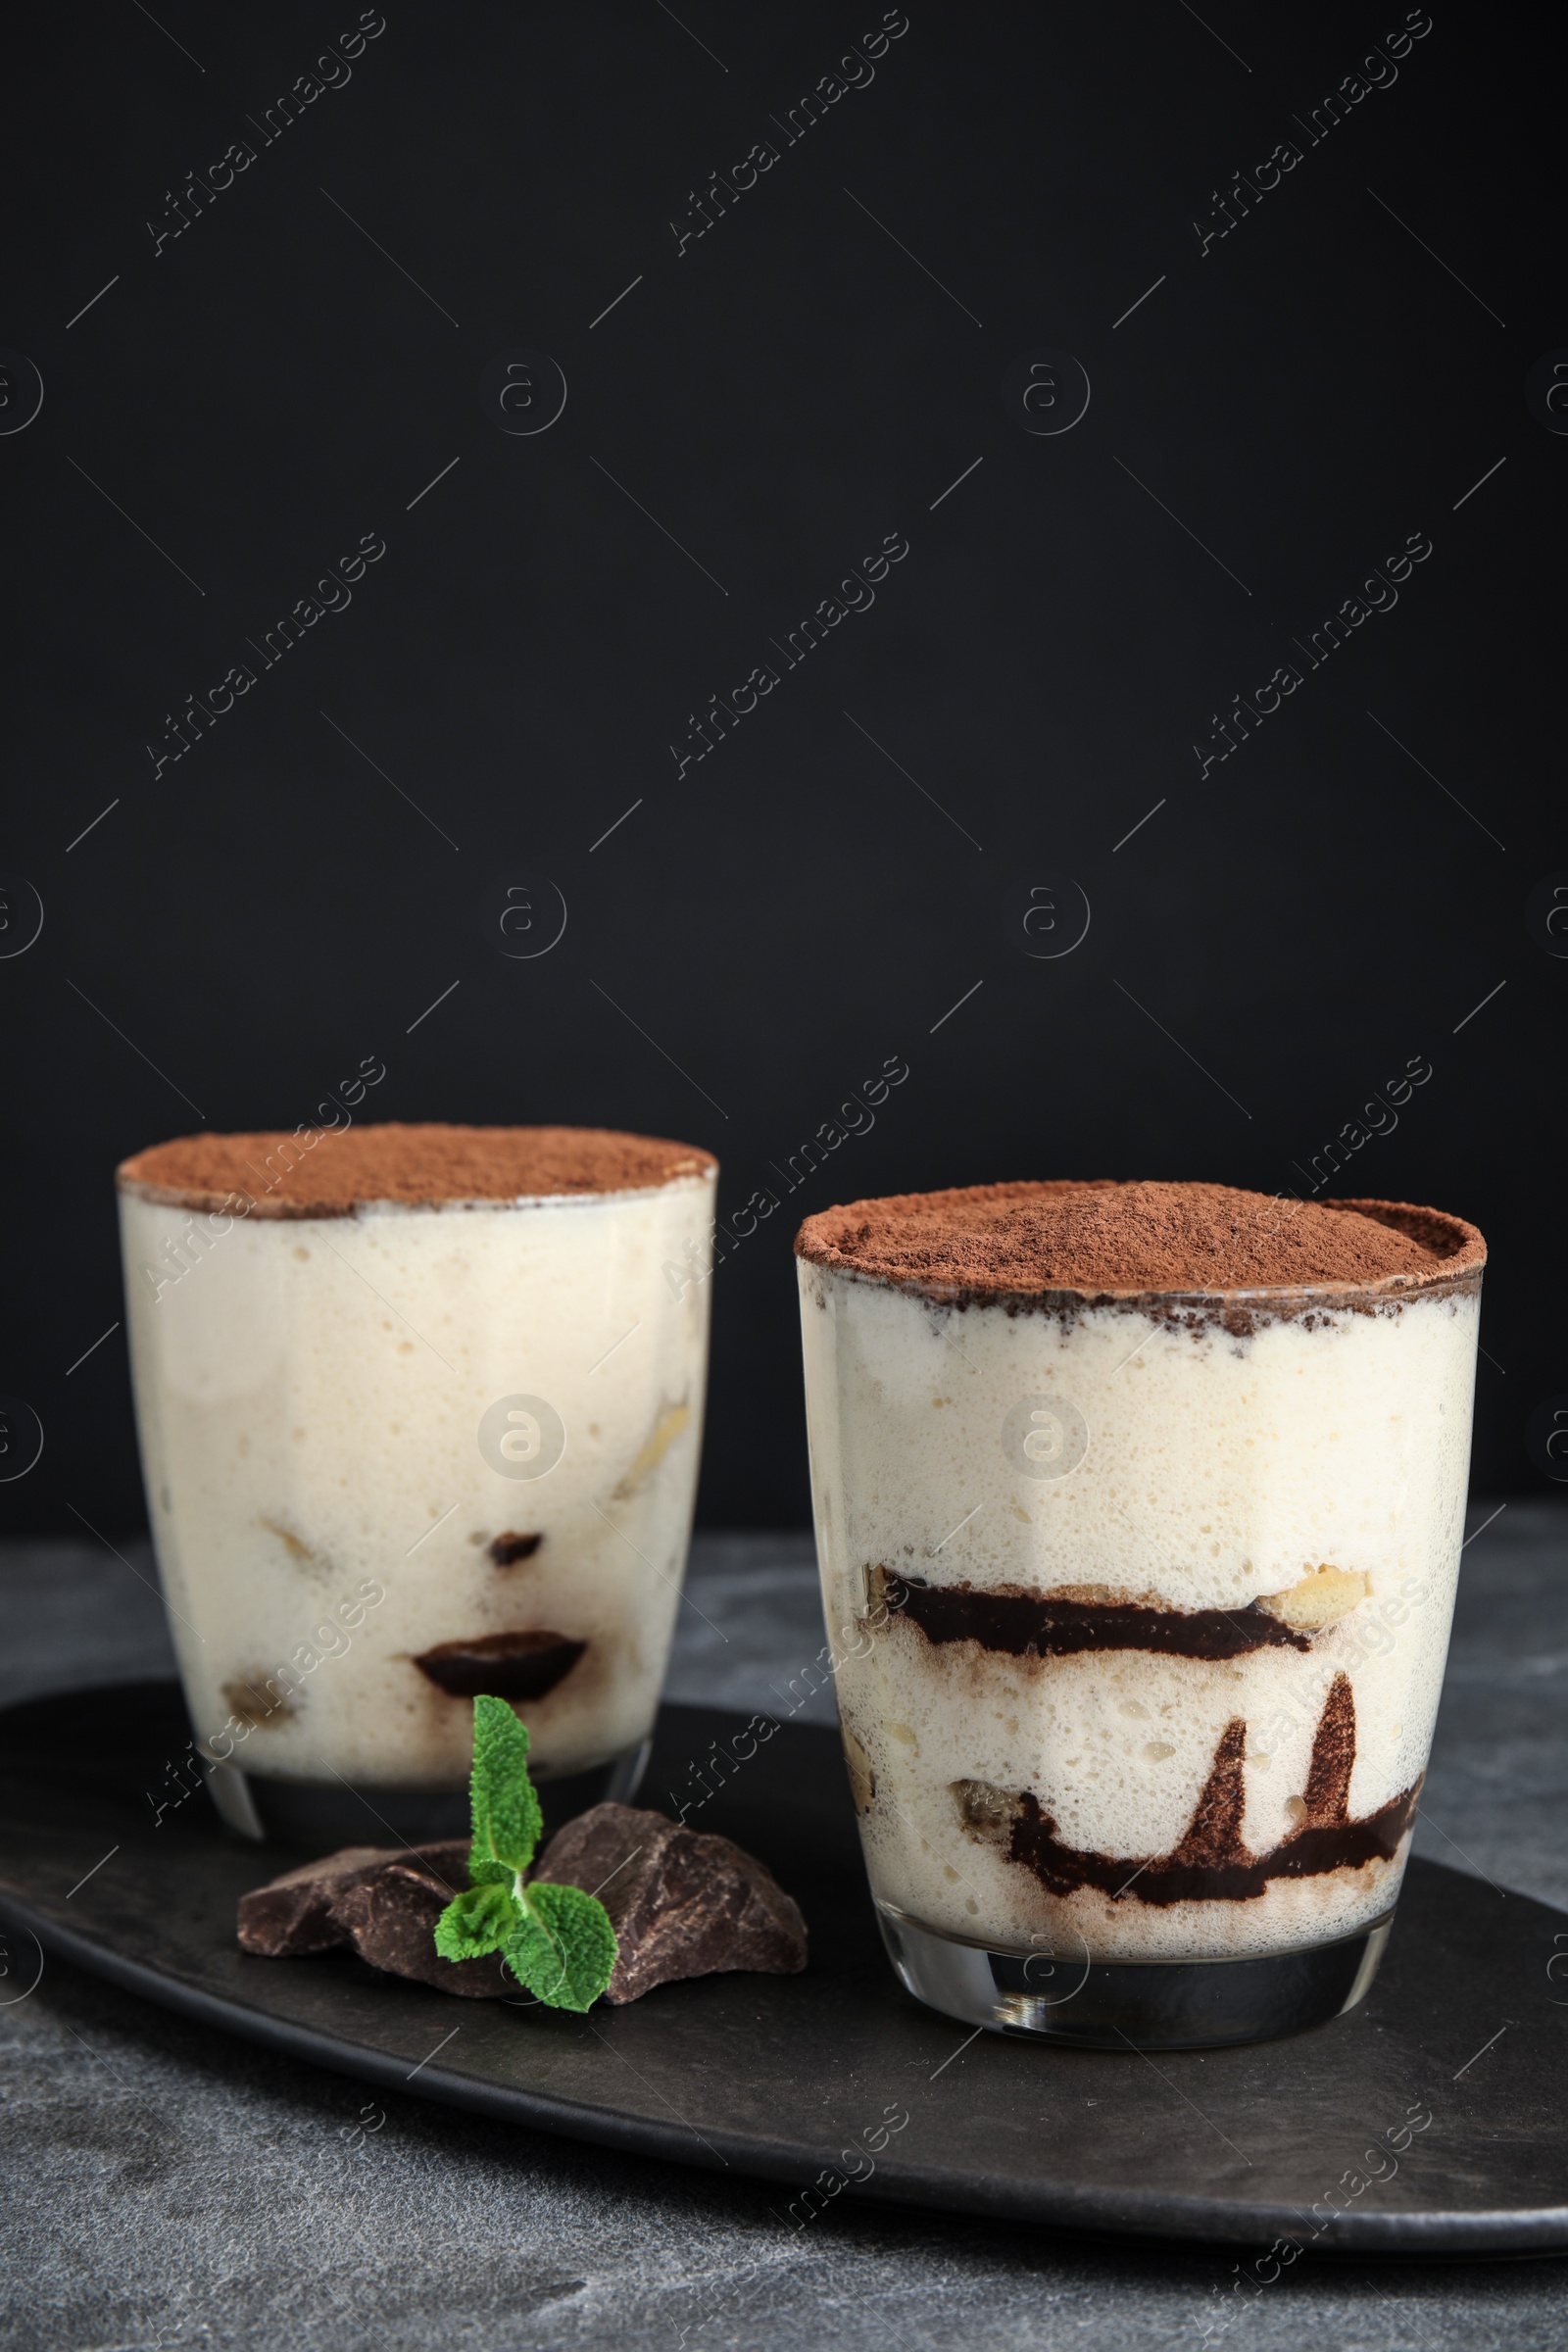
{"points": [[162, 2184]]}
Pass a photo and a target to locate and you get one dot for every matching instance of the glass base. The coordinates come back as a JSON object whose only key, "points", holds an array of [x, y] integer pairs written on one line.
{"points": [[314, 1818], [1142, 2004]]}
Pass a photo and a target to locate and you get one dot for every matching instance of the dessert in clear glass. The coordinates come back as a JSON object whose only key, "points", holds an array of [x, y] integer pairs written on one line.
{"points": [[419, 1411], [1138, 1510]]}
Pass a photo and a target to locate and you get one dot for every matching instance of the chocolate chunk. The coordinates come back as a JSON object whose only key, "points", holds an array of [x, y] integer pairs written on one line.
{"points": [[508, 1550], [384, 1901], [682, 1903], [293, 1914], [389, 1915]]}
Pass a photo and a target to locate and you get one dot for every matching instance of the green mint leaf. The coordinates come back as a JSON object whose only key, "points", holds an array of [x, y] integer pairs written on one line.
{"points": [[477, 1921], [565, 1948], [556, 1940], [506, 1821]]}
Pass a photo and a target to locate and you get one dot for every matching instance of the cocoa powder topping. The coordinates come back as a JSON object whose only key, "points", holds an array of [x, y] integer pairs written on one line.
{"points": [[327, 1172], [1102, 1238]]}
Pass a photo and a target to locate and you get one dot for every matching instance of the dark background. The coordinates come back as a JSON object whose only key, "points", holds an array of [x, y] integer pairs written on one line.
{"points": [[1279, 940]]}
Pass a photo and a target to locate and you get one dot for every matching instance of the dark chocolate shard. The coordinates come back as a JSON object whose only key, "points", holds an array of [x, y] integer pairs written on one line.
{"points": [[1211, 1863], [389, 1916], [512, 1665], [294, 1914], [508, 1550], [682, 1903], [1020, 1623], [383, 1901]]}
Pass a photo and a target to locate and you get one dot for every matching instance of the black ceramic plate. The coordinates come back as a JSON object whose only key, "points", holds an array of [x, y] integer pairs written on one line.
{"points": [[803, 2079]]}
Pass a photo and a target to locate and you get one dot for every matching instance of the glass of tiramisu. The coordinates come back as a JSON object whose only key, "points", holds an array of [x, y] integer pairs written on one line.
{"points": [[420, 1410], [1139, 1509]]}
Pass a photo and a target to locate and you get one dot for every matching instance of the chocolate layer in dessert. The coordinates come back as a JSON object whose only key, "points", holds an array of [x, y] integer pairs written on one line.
{"points": [[524, 1664], [1212, 1863], [1047, 1625]]}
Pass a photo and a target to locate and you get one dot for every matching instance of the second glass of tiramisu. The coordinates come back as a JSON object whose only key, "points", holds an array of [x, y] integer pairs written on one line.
{"points": [[1139, 1509]]}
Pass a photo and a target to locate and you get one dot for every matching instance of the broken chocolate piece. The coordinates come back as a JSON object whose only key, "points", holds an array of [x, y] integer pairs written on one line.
{"points": [[682, 1903], [520, 1665], [293, 1915], [389, 1915], [383, 1901], [508, 1550]]}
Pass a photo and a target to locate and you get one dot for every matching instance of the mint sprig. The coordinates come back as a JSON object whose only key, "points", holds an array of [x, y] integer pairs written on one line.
{"points": [[556, 1940]]}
